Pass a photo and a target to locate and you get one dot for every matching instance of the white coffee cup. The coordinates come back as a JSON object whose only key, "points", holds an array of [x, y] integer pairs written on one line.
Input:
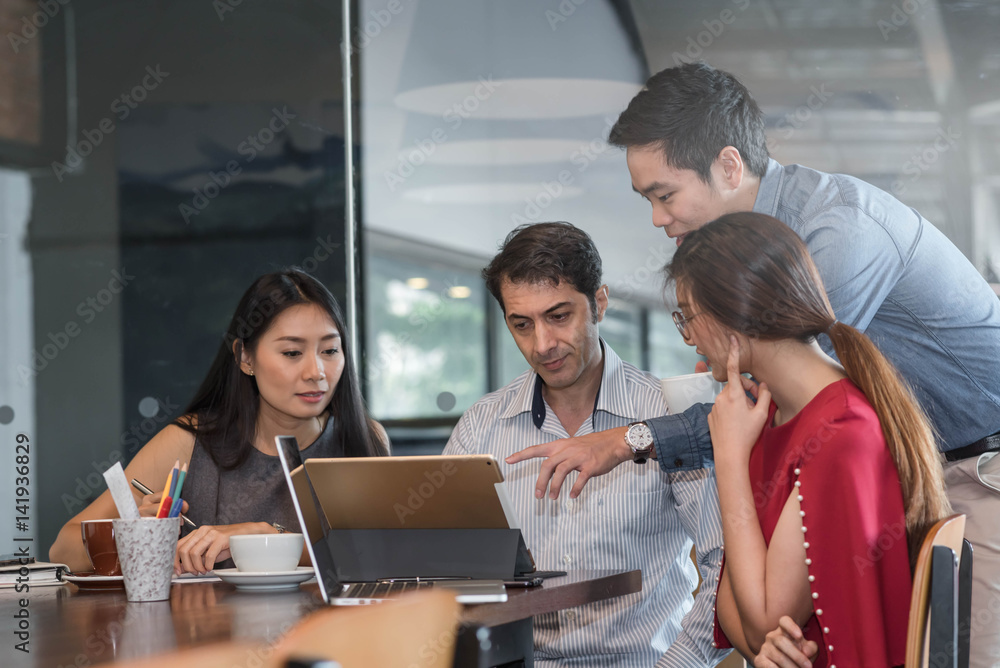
{"points": [[266, 553], [682, 392]]}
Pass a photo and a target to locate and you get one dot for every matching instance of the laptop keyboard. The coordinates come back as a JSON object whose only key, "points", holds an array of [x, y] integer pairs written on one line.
{"points": [[383, 589]]}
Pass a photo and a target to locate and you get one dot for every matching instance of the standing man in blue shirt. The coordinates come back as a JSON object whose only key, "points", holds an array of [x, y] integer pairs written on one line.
{"points": [[547, 279], [696, 149]]}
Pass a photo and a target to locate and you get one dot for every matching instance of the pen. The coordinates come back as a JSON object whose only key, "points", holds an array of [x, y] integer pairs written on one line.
{"points": [[145, 490]]}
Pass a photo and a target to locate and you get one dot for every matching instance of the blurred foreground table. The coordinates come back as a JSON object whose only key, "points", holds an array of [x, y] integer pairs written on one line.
{"points": [[67, 627]]}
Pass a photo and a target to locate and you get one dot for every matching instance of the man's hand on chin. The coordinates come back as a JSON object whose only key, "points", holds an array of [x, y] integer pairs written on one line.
{"points": [[592, 455]]}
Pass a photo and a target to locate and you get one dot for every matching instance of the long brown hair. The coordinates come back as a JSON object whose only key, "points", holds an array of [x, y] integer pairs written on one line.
{"points": [[754, 275]]}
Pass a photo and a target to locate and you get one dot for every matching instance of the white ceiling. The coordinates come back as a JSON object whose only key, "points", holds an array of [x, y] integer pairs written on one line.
{"points": [[891, 88]]}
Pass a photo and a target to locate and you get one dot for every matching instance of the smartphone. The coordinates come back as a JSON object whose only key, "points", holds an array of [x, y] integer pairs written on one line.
{"points": [[544, 574], [523, 581]]}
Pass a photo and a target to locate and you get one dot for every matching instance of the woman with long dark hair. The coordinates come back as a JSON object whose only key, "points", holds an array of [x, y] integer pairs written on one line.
{"points": [[828, 480], [284, 368]]}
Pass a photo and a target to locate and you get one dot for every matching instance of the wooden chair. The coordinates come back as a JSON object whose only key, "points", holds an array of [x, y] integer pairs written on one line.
{"points": [[940, 604], [209, 656], [418, 630]]}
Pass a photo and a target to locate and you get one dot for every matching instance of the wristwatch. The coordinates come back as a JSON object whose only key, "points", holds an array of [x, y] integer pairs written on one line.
{"points": [[639, 439], [279, 528]]}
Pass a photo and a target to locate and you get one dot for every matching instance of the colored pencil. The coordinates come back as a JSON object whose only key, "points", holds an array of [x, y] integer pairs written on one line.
{"points": [[175, 509], [165, 499], [180, 481], [168, 502]]}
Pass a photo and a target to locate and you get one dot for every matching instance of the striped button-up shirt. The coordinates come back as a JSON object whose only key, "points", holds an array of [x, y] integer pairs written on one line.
{"points": [[636, 516]]}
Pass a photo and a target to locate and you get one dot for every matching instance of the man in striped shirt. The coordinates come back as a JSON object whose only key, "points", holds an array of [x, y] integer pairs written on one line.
{"points": [[547, 279]]}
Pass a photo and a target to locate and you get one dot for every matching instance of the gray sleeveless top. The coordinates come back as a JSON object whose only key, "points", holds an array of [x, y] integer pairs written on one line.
{"points": [[254, 492]]}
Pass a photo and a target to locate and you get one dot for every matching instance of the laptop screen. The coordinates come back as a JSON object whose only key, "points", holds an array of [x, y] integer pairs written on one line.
{"points": [[311, 520]]}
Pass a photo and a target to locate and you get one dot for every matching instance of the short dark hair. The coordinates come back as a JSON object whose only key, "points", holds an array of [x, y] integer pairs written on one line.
{"points": [[547, 253], [690, 113]]}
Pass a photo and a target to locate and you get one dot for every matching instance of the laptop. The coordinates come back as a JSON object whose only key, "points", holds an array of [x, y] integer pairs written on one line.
{"points": [[315, 523]]}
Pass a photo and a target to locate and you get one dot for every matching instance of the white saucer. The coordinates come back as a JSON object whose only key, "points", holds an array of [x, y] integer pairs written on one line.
{"points": [[265, 581], [90, 581], [93, 581]]}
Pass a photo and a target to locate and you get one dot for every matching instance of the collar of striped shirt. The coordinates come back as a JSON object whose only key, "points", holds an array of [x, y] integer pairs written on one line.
{"points": [[612, 395]]}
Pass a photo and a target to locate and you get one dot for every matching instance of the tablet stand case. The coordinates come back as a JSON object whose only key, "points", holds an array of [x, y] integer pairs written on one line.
{"points": [[368, 555]]}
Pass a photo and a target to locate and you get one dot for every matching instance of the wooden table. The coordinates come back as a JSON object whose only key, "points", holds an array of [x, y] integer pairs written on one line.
{"points": [[67, 627]]}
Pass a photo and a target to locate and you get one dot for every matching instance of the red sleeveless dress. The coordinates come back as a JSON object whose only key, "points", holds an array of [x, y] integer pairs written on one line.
{"points": [[834, 454]]}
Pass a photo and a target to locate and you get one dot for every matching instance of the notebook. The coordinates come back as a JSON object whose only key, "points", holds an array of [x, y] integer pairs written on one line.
{"points": [[22, 573], [339, 491]]}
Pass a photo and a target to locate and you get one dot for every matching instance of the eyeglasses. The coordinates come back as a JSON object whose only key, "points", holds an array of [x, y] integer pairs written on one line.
{"points": [[682, 321]]}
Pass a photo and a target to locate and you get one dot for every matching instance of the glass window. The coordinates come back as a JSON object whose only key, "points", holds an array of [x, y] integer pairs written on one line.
{"points": [[622, 330], [426, 334], [158, 157], [511, 362], [668, 354]]}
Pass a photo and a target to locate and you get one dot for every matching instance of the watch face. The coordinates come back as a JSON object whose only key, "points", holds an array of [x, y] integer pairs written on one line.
{"points": [[639, 437]]}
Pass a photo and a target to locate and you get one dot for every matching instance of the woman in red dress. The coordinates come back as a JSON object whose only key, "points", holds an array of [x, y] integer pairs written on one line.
{"points": [[828, 480]]}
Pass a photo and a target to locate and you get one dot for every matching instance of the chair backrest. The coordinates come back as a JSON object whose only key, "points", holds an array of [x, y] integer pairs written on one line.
{"points": [[948, 533], [417, 630], [206, 656]]}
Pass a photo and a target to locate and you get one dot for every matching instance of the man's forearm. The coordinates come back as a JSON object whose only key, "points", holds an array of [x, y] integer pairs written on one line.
{"points": [[682, 441]]}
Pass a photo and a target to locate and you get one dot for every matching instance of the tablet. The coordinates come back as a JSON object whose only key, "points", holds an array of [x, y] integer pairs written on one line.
{"points": [[425, 492]]}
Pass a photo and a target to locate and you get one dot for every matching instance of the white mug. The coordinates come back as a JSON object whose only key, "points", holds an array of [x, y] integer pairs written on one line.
{"points": [[682, 392]]}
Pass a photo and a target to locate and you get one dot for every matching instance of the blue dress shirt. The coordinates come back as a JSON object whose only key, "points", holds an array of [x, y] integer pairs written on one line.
{"points": [[893, 275]]}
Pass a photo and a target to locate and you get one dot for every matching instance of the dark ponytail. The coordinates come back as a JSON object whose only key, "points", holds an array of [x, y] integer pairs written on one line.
{"points": [[754, 275], [908, 433]]}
